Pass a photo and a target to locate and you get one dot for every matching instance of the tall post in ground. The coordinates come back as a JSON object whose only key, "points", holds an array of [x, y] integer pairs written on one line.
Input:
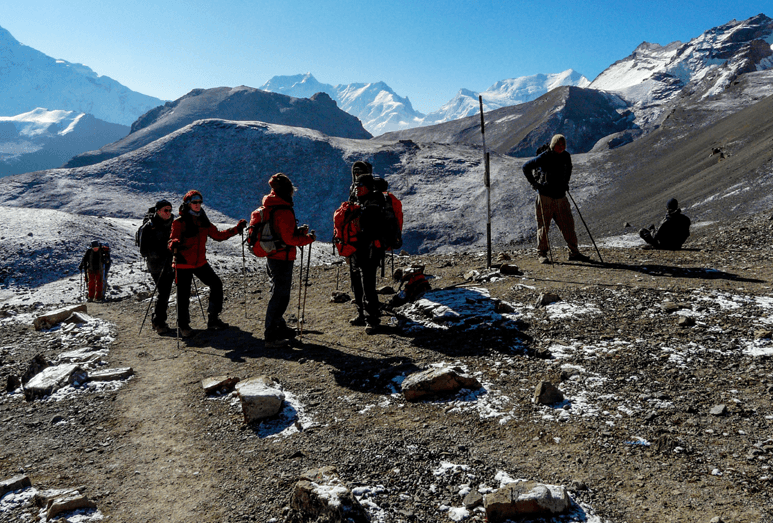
{"points": [[487, 183]]}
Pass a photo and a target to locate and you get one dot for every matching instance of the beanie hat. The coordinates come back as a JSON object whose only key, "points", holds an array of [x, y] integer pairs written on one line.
{"points": [[94, 243], [380, 184], [160, 204], [672, 204], [282, 186], [360, 168], [556, 138], [366, 180], [190, 194]]}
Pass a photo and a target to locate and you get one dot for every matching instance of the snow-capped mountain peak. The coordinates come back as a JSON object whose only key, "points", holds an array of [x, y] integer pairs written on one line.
{"points": [[40, 122]]}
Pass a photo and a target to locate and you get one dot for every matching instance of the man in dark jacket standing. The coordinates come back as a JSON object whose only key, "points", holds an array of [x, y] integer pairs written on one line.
{"points": [[364, 263], [549, 175], [94, 261], [673, 230], [153, 246]]}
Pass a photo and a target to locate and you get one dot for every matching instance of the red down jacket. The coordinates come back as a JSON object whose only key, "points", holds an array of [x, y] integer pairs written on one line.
{"points": [[191, 241]]}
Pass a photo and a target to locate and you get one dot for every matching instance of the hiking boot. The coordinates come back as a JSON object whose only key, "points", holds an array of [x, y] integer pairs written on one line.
{"points": [[186, 331], [358, 320], [161, 328], [287, 332], [543, 260], [276, 344], [216, 324], [578, 256]]}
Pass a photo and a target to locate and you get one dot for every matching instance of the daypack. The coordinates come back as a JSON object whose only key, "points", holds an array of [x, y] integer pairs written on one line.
{"points": [[142, 228], [262, 238], [393, 215], [346, 226]]}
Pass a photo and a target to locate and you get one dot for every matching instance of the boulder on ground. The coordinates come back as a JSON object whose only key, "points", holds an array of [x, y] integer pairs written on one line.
{"points": [[221, 384], [49, 319], [320, 496], [432, 382], [87, 356], [525, 499], [340, 297], [510, 269], [78, 317], [120, 373], [260, 398], [546, 298], [35, 367], [54, 378], [547, 394], [14, 483], [62, 500]]}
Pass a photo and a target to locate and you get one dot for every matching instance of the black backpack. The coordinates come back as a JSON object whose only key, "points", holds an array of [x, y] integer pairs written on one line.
{"points": [[146, 224]]}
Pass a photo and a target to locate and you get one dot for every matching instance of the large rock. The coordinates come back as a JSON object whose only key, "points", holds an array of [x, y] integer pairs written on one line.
{"points": [[547, 394], [433, 382], [54, 378], [120, 373], [321, 496], [62, 500], [14, 483], [49, 319], [525, 499], [222, 384], [260, 397], [88, 356]]}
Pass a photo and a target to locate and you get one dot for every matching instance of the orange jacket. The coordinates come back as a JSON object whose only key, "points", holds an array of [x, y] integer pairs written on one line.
{"points": [[284, 226], [192, 248]]}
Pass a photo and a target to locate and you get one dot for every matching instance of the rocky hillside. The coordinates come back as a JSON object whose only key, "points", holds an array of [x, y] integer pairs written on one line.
{"points": [[237, 104]]}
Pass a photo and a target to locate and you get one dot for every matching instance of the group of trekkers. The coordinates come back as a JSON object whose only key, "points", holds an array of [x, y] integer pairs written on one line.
{"points": [[365, 226]]}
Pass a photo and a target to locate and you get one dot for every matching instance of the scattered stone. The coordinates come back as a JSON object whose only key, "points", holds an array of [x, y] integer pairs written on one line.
{"points": [[669, 306], [386, 289], [52, 318], [525, 499], [717, 519], [626, 225], [54, 378], [547, 394], [87, 356], [503, 257], [78, 317], [686, 321], [340, 297], [14, 483], [57, 419], [260, 398], [473, 500], [546, 298], [503, 307], [320, 496], [12, 383], [444, 380], [510, 270], [62, 500], [120, 373], [35, 367], [219, 384], [718, 410], [762, 334]]}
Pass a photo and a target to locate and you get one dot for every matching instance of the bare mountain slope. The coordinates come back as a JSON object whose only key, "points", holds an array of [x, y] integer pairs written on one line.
{"points": [[584, 115], [238, 104]]}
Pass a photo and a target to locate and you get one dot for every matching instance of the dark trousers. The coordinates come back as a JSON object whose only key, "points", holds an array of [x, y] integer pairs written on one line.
{"points": [[208, 278], [164, 278], [363, 268], [280, 272]]}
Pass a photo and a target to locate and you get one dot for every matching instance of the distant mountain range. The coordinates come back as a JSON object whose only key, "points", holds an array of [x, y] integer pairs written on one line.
{"points": [[382, 111], [31, 79]]}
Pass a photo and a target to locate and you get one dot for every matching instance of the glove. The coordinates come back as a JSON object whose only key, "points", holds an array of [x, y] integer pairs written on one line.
{"points": [[313, 236], [241, 225]]}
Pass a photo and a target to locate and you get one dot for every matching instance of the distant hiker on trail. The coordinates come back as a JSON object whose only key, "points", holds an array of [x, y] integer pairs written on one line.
{"points": [[280, 253], [154, 240], [369, 247], [188, 243], [94, 262], [672, 232], [549, 175], [108, 263]]}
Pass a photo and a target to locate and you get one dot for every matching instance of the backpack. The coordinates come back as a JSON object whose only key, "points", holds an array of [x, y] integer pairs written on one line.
{"points": [[262, 239], [393, 215], [142, 228], [346, 226]]}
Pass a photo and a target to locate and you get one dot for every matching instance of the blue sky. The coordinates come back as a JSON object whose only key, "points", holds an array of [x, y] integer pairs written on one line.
{"points": [[426, 50]]}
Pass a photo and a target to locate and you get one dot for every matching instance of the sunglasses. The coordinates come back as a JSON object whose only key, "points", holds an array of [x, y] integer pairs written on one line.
{"points": [[197, 202], [165, 209]]}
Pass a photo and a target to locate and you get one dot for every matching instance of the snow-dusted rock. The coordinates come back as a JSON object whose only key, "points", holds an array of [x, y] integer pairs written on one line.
{"points": [[525, 498], [54, 378], [14, 483], [219, 384], [546, 298], [62, 500], [120, 373], [444, 380], [49, 319], [320, 495], [86, 356], [547, 394], [260, 398]]}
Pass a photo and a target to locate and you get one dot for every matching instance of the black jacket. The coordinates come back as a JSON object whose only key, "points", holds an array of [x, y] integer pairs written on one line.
{"points": [[95, 261], [153, 243], [549, 173], [673, 230]]}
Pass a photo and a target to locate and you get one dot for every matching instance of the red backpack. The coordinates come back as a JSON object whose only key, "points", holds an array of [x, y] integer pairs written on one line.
{"points": [[346, 226]]}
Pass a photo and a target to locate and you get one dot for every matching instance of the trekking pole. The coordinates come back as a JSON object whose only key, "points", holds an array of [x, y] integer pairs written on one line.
{"points": [[586, 225], [196, 288], [150, 303], [546, 226], [244, 277], [487, 183], [305, 289], [177, 301], [300, 284]]}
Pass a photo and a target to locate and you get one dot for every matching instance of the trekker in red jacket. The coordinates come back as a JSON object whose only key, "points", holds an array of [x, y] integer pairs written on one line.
{"points": [[279, 262], [188, 243]]}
